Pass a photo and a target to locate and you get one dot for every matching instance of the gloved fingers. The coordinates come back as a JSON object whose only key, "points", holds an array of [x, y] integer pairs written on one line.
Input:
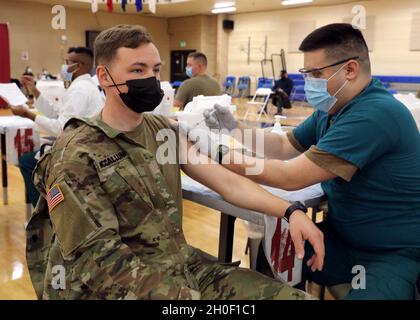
{"points": [[221, 109], [212, 123], [207, 113]]}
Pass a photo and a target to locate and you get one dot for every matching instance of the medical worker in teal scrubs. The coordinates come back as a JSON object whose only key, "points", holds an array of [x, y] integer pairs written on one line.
{"points": [[363, 146]]}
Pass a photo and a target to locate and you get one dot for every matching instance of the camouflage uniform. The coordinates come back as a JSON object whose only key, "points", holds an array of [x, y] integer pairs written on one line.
{"points": [[117, 229]]}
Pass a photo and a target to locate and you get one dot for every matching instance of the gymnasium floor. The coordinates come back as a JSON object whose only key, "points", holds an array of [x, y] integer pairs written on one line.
{"points": [[201, 224]]}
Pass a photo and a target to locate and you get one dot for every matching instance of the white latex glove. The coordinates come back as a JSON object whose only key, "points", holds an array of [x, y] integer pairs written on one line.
{"points": [[201, 140], [220, 118]]}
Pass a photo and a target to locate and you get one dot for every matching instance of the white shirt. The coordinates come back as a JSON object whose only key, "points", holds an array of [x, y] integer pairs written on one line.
{"points": [[82, 99]]}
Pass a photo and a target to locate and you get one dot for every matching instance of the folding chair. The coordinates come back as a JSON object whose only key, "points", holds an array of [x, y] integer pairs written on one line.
{"points": [[230, 85], [243, 87], [263, 93]]}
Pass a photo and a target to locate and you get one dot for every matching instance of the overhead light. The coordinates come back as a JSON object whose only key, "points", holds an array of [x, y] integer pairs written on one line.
{"points": [[292, 2], [224, 4], [223, 10]]}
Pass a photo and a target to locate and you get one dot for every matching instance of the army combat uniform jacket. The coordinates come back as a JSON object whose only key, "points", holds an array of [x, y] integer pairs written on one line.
{"points": [[108, 224]]}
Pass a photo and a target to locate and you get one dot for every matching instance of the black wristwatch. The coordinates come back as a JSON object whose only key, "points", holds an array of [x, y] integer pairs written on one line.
{"points": [[222, 150], [293, 207]]}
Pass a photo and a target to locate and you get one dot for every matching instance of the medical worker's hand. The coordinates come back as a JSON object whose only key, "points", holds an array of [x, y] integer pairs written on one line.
{"points": [[302, 228], [220, 118]]}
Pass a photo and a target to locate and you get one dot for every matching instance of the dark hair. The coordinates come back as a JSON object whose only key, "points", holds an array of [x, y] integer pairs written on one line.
{"points": [[81, 50], [200, 57], [121, 36], [340, 41]]}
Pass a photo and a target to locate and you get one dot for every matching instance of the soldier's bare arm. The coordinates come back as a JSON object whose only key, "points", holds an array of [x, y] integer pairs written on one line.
{"points": [[295, 174], [244, 193]]}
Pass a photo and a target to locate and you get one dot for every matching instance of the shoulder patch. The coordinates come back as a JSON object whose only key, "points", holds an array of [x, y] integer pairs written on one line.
{"points": [[54, 197]]}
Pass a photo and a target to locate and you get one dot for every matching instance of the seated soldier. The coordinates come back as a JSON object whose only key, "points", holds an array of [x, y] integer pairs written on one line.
{"points": [[200, 83], [110, 211]]}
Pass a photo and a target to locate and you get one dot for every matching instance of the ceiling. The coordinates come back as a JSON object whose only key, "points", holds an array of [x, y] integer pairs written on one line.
{"points": [[182, 8]]}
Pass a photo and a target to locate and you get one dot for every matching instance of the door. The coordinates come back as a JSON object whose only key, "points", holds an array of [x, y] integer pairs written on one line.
{"points": [[178, 64]]}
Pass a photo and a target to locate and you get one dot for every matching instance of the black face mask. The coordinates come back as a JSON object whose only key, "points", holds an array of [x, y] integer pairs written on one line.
{"points": [[143, 95]]}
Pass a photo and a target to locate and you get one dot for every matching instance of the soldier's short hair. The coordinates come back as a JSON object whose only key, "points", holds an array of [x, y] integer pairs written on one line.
{"points": [[199, 57], [121, 36]]}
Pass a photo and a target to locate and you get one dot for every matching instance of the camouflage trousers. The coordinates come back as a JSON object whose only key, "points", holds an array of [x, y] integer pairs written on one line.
{"points": [[222, 282]]}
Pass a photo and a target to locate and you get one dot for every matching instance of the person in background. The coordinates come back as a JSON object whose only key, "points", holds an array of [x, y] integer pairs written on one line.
{"points": [[199, 84], [81, 99], [45, 75], [282, 89], [28, 72], [25, 90]]}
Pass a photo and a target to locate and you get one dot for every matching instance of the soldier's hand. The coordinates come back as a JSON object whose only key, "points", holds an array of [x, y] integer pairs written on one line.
{"points": [[302, 228], [220, 118]]}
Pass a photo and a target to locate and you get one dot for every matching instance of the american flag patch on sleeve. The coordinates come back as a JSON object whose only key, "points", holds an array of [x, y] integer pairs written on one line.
{"points": [[54, 197]]}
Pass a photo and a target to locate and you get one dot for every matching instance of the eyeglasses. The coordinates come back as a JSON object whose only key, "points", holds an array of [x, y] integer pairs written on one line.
{"points": [[316, 72]]}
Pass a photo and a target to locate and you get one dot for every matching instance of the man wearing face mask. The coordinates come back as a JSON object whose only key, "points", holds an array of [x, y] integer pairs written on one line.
{"points": [[363, 146], [200, 83], [111, 211], [82, 98]]}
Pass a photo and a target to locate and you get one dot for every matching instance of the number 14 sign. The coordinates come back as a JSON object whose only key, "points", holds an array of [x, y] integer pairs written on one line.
{"points": [[280, 251]]}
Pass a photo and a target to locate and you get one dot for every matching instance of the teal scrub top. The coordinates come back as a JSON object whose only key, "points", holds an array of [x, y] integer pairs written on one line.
{"points": [[379, 209]]}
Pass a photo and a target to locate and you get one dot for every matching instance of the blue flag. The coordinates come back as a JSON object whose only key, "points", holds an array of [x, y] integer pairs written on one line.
{"points": [[139, 5], [123, 4]]}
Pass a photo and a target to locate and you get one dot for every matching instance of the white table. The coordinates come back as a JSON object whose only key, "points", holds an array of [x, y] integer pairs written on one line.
{"points": [[415, 111], [196, 192], [17, 137], [412, 103]]}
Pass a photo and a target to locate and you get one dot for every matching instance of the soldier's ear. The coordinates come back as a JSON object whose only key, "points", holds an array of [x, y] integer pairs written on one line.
{"points": [[103, 76]]}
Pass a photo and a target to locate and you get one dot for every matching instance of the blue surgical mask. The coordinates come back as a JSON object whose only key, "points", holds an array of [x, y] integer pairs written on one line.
{"points": [[189, 72], [317, 94], [65, 74]]}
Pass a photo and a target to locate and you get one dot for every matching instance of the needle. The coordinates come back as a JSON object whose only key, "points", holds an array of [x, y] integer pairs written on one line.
{"points": [[219, 136], [201, 121]]}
